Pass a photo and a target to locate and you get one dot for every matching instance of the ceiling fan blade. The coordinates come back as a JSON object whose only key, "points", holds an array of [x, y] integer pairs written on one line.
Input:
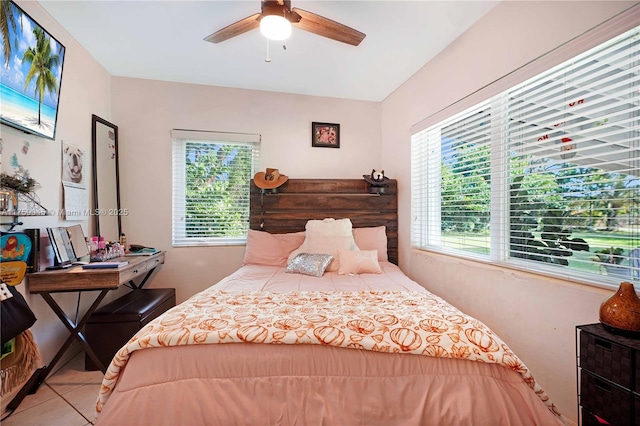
{"points": [[237, 28], [327, 28]]}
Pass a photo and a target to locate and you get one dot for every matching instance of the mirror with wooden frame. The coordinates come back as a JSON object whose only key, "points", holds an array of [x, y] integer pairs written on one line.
{"points": [[106, 185]]}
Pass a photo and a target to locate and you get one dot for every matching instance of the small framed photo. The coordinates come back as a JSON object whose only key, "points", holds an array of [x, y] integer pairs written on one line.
{"points": [[325, 135]]}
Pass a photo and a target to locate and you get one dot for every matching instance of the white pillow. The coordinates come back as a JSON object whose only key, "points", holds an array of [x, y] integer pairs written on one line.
{"points": [[327, 236]]}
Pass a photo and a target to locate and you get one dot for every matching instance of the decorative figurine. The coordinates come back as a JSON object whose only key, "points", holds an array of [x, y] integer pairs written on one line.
{"points": [[377, 180]]}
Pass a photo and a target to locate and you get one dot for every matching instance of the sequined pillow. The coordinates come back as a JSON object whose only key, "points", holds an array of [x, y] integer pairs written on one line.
{"points": [[313, 264]]}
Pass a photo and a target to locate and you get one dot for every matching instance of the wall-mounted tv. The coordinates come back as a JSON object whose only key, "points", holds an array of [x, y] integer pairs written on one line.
{"points": [[30, 75]]}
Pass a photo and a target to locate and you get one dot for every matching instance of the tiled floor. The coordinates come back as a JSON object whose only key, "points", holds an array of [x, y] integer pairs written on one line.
{"points": [[67, 398]]}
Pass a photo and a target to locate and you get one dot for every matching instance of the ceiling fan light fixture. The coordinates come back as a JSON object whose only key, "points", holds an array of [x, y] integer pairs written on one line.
{"points": [[275, 27]]}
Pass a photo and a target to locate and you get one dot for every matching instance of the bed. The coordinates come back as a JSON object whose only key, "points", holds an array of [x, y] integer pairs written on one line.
{"points": [[319, 326]]}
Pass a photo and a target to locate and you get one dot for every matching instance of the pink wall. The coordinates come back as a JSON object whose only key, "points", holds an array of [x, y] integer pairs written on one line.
{"points": [[146, 111], [536, 315], [86, 89]]}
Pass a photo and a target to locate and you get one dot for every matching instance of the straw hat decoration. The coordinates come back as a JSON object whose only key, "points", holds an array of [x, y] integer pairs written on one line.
{"points": [[270, 179]]}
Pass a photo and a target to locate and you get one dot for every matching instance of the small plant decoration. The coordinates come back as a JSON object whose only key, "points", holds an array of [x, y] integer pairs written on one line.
{"points": [[20, 181], [611, 255]]}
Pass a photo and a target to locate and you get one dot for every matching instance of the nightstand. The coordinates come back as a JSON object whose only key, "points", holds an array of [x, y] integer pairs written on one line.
{"points": [[608, 367]]}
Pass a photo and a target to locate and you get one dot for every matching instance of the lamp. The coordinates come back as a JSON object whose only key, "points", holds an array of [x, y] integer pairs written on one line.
{"points": [[275, 27]]}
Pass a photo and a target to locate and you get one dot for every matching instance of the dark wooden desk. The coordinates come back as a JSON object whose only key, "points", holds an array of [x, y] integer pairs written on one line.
{"points": [[77, 279]]}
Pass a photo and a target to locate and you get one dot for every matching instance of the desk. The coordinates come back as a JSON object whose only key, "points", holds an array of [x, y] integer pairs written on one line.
{"points": [[78, 279]]}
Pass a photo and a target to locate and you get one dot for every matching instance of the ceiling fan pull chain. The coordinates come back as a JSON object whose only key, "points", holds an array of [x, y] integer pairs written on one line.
{"points": [[267, 59]]}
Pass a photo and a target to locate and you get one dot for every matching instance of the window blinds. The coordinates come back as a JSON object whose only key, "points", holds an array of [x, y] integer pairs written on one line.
{"points": [[545, 173], [572, 153], [452, 204], [212, 172], [624, 21]]}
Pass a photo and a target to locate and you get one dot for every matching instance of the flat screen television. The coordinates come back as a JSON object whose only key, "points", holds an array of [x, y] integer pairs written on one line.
{"points": [[30, 75]]}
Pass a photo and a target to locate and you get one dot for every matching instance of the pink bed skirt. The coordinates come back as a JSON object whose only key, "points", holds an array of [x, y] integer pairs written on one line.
{"points": [[258, 384]]}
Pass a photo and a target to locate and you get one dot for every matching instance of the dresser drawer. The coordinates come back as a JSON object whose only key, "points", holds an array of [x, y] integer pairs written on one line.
{"points": [[606, 359], [605, 400], [155, 261], [131, 273], [637, 386], [588, 419]]}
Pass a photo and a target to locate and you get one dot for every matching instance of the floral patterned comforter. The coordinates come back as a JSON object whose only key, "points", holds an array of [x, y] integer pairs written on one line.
{"points": [[385, 321]]}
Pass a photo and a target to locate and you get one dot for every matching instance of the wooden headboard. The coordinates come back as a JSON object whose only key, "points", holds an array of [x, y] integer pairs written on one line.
{"points": [[299, 200]]}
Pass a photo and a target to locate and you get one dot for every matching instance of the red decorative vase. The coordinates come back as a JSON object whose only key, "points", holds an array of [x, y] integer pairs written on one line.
{"points": [[620, 313]]}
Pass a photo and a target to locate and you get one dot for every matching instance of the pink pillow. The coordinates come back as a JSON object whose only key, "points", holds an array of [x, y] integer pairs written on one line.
{"points": [[358, 262], [374, 238], [264, 248]]}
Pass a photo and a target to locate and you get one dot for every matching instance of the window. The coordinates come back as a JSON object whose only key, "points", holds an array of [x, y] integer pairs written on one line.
{"points": [[544, 175], [212, 172]]}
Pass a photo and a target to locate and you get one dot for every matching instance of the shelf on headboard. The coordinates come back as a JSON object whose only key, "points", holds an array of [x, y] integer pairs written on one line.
{"points": [[279, 212], [338, 194]]}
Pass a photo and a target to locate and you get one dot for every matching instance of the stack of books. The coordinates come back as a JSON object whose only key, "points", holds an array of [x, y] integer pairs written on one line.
{"points": [[105, 265]]}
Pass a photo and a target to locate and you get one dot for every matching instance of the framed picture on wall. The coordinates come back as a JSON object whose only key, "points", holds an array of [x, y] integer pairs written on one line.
{"points": [[325, 135]]}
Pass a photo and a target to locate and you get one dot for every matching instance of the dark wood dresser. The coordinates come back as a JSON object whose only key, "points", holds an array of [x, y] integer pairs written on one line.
{"points": [[608, 368]]}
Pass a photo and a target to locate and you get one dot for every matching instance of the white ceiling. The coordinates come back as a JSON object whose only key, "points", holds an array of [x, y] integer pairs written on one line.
{"points": [[163, 40]]}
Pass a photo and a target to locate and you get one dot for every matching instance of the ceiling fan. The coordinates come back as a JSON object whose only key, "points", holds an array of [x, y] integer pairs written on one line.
{"points": [[280, 12]]}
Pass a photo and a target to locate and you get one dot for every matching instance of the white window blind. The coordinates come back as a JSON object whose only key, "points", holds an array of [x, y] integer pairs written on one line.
{"points": [[212, 172], [544, 175], [452, 204]]}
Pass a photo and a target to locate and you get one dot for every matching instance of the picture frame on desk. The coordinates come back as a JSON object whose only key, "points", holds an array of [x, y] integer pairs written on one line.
{"points": [[62, 248]]}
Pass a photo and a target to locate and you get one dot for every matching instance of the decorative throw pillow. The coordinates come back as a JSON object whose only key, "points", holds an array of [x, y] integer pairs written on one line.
{"points": [[359, 262], [313, 264], [327, 236], [264, 248], [372, 238]]}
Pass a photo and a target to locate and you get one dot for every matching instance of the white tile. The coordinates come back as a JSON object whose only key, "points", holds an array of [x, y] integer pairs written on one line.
{"points": [[73, 376], [43, 394], [46, 407], [84, 400], [54, 412]]}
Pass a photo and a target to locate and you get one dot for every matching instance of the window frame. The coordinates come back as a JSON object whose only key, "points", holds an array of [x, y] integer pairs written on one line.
{"points": [[499, 248], [179, 140]]}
